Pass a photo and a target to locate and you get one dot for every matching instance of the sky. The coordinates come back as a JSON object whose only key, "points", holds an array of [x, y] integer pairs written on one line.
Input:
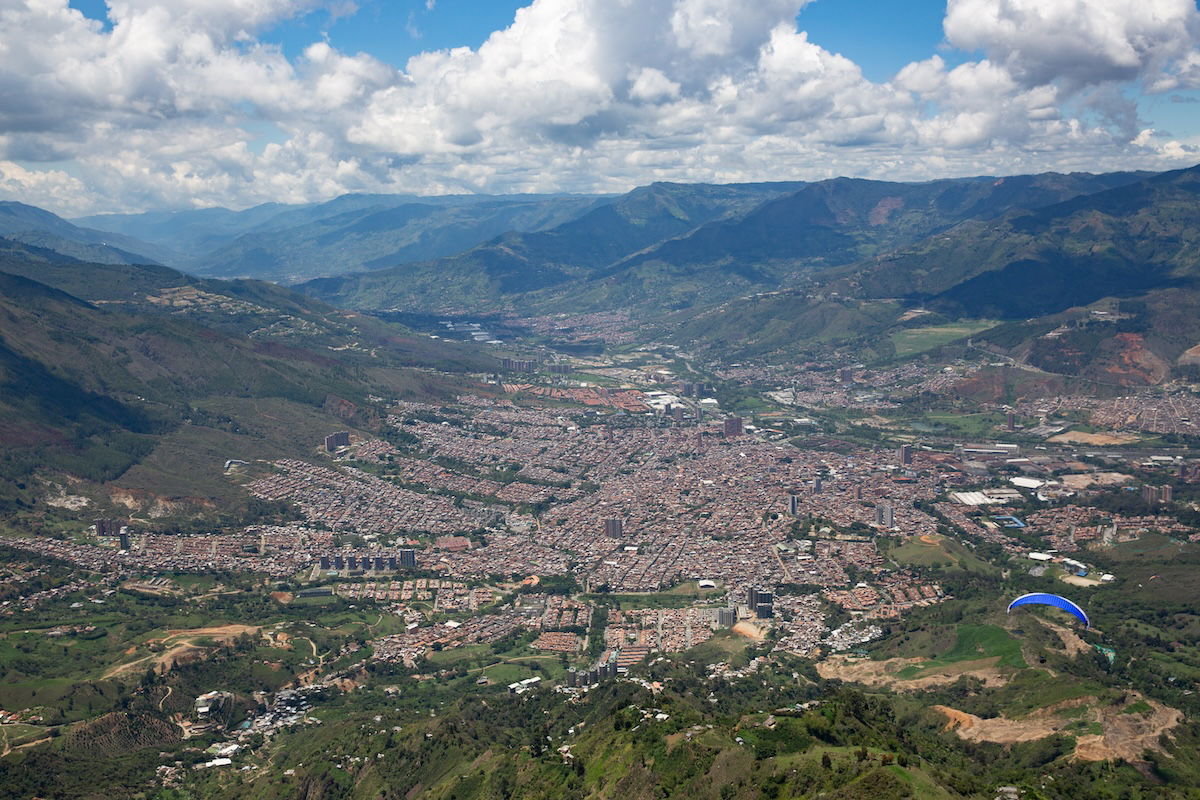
{"points": [[130, 105]]}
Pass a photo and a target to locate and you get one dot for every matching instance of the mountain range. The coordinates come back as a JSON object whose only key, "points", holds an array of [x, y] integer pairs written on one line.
{"points": [[768, 270], [671, 246]]}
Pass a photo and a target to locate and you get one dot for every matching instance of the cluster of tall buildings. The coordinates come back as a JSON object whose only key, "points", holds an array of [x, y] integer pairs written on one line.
{"points": [[113, 527], [1153, 495], [402, 559], [761, 603], [519, 365], [602, 671]]}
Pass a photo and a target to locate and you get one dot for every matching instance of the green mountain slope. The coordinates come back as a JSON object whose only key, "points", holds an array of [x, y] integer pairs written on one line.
{"points": [[91, 389], [1121, 241], [1139, 241]]}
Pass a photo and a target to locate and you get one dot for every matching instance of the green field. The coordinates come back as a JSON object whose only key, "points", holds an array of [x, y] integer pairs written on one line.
{"points": [[723, 646], [911, 341], [945, 553], [968, 425], [973, 642]]}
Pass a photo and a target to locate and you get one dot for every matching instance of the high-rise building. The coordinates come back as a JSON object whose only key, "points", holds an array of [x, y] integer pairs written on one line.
{"points": [[885, 515], [379, 564], [408, 559], [335, 440], [519, 365], [726, 617], [764, 610], [1011, 421], [794, 505], [339, 562], [756, 597], [1153, 495], [325, 562], [123, 537], [352, 562], [846, 375], [614, 528], [677, 413], [904, 454], [733, 426], [817, 486]]}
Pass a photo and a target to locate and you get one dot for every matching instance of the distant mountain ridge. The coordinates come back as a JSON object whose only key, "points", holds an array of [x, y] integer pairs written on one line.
{"points": [[289, 243], [1131, 253], [670, 246], [40, 228]]}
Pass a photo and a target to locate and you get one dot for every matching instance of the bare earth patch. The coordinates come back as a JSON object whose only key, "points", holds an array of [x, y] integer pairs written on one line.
{"points": [[1071, 641], [1095, 479], [884, 673], [1102, 439], [748, 630], [1126, 735], [71, 502]]}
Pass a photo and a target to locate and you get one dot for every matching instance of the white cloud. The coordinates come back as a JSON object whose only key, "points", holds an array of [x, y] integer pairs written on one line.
{"points": [[1082, 42], [171, 105]]}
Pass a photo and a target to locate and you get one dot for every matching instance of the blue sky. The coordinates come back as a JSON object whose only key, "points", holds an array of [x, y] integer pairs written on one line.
{"points": [[881, 36], [233, 102]]}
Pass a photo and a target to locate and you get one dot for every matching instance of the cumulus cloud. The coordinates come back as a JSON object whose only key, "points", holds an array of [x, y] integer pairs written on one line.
{"points": [[181, 103], [1083, 43]]}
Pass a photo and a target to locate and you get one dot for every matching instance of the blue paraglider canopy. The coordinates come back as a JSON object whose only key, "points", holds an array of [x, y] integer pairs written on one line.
{"points": [[1043, 599]]}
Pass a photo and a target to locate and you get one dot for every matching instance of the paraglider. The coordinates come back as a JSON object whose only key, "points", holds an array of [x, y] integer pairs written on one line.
{"points": [[1043, 599]]}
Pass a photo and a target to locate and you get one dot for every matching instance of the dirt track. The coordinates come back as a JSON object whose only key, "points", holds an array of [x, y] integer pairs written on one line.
{"points": [[883, 673], [1126, 735], [184, 651]]}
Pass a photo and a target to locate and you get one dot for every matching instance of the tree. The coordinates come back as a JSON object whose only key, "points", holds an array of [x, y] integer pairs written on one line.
{"points": [[826, 761]]}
